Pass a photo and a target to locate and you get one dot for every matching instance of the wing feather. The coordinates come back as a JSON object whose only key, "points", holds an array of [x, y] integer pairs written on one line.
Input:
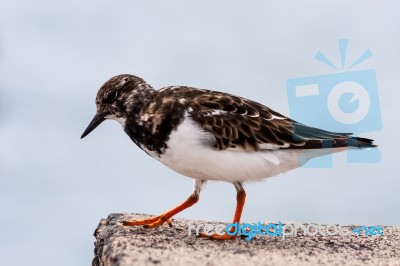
{"points": [[239, 123]]}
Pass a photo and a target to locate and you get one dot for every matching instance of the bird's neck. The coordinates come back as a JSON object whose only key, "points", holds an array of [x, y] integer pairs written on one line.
{"points": [[135, 103], [138, 100]]}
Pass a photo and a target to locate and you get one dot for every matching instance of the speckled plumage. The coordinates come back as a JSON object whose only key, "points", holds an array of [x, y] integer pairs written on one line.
{"points": [[211, 135], [234, 121]]}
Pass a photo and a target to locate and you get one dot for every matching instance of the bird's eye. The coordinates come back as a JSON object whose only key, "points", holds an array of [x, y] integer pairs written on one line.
{"points": [[110, 96]]}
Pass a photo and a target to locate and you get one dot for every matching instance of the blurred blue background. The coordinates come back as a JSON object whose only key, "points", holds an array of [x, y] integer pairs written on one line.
{"points": [[54, 55]]}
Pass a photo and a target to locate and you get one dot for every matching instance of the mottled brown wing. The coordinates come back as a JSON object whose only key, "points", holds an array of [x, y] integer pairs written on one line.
{"points": [[237, 122]]}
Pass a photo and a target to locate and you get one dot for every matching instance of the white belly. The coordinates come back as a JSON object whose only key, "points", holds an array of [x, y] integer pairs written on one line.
{"points": [[190, 153]]}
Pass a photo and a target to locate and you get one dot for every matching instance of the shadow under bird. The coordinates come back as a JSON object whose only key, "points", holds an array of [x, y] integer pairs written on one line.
{"points": [[211, 135]]}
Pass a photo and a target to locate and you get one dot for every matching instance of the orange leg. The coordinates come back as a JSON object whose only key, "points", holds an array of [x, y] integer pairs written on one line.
{"points": [[165, 217], [240, 200]]}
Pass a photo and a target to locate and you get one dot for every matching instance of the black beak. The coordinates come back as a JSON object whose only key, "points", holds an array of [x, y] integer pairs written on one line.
{"points": [[97, 119]]}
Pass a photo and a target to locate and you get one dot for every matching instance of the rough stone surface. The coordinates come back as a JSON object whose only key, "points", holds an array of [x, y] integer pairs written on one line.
{"points": [[120, 245]]}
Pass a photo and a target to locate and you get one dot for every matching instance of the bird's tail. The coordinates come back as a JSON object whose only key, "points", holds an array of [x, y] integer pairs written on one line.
{"points": [[315, 138], [360, 142]]}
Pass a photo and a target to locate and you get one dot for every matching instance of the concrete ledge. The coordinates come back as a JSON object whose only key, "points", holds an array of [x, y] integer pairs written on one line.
{"points": [[120, 245]]}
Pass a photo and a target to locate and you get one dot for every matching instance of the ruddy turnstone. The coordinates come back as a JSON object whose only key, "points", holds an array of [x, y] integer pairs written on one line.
{"points": [[211, 135]]}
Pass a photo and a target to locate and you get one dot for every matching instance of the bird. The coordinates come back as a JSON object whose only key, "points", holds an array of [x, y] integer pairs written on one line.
{"points": [[209, 135]]}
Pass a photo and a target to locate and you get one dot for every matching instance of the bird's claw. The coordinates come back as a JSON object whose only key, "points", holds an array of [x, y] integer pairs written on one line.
{"points": [[150, 222]]}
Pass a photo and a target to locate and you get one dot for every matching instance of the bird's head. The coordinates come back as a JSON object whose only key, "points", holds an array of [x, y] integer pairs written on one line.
{"points": [[120, 97]]}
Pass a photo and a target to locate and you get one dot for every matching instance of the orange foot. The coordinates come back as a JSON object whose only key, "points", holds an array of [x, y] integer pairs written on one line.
{"points": [[150, 222], [240, 197], [218, 237], [165, 217]]}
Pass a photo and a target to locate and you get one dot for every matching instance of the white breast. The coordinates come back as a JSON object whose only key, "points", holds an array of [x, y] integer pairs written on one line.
{"points": [[190, 152]]}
